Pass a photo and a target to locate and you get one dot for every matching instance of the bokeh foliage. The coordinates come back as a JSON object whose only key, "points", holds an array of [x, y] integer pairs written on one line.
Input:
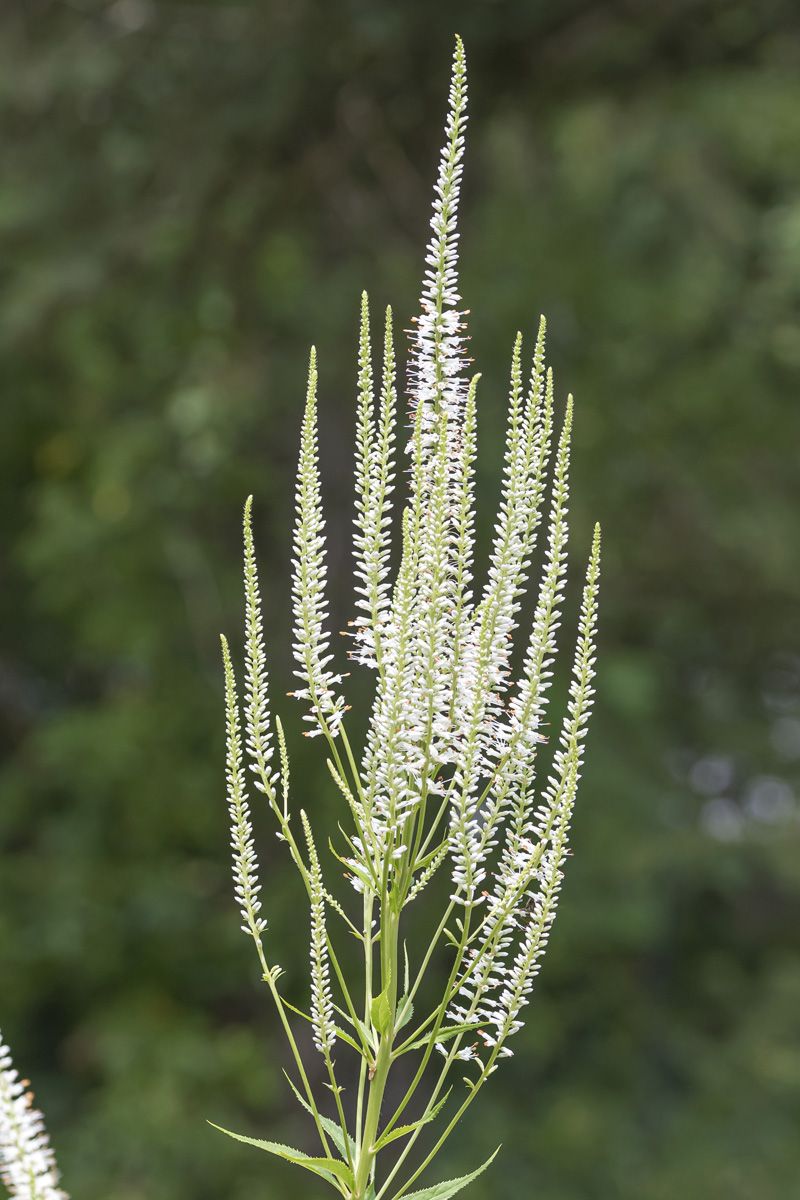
{"points": [[191, 193]]}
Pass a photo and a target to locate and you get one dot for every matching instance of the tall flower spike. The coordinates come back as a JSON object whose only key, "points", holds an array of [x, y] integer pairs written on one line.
{"points": [[27, 1163], [437, 381], [528, 705], [523, 905], [322, 1022], [365, 449], [438, 396], [311, 639], [384, 471], [432, 638], [259, 742], [463, 541], [484, 669], [559, 799], [444, 396], [528, 439], [374, 486], [393, 760], [245, 865], [512, 785]]}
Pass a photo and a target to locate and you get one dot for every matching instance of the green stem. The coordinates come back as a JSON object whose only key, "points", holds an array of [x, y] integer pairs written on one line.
{"points": [[429, 1158], [362, 1075], [337, 1095], [292, 1043], [366, 1157], [390, 926]]}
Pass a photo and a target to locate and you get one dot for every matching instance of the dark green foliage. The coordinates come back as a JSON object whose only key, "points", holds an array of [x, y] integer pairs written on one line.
{"points": [[191, 194]]}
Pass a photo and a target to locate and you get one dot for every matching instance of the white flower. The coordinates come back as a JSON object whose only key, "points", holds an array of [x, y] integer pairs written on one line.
{"points": [[311, 639], [322, 1022], [27, 1163]]}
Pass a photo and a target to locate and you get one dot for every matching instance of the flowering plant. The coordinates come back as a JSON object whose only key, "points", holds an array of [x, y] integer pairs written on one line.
{"points": [[448, 776]]}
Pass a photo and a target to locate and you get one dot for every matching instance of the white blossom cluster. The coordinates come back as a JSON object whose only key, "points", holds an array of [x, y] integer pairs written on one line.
{"points": [[311, 644], [322, 1021], [245, 869], [451, 776], [375, 481], [27, 1163], [502, 962]]}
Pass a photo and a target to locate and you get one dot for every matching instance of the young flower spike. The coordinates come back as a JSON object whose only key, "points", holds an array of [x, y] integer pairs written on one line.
{"points": [[451, 778], [245, 866], [321, 998], [27, 1163], [259, 739], [374, 486], [311, 640]]}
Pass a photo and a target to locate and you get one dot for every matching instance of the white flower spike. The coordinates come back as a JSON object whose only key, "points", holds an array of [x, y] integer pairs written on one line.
{"points": [[27, 1163], [451, 776]]}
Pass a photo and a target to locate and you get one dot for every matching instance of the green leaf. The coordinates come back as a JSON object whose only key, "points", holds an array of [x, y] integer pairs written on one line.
{"points": [[428, 859], [339, 1031], [381, 1012], [404, 1130], [328, 1168], [297, 1011], [351, 868], [330, 1127], [344, 1014], [445, 1034], [362, 1030], [406, 1011], [349, 1040], [443, 1191]]}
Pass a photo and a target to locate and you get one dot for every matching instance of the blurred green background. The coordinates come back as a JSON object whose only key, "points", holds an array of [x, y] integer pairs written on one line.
{"points": [[193, 192]]}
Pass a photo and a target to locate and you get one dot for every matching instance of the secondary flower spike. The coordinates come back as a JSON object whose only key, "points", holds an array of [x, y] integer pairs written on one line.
{"points": [[27, 1163]]}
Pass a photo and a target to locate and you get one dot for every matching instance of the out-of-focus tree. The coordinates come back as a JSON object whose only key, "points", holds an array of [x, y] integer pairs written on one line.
{"points": [[191, 193]]}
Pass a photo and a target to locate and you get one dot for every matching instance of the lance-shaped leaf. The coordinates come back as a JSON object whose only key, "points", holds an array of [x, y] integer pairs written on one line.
{"points": [[337, 1134], [330, 1169], [401, 1131], [443, 1191]]}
